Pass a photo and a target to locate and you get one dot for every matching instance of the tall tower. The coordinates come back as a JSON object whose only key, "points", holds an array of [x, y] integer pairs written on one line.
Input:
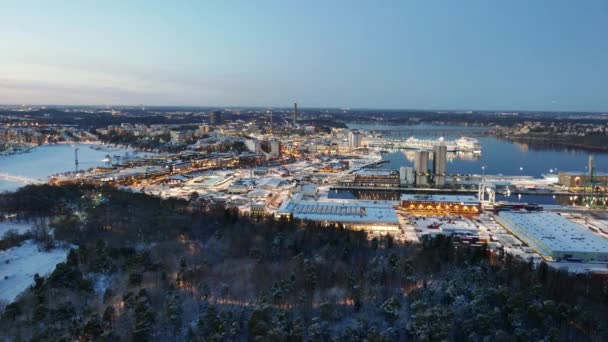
{"points": [[270, 112], [421, 166], [354, 139], [76, 157], [440, 156], [295, 114]]}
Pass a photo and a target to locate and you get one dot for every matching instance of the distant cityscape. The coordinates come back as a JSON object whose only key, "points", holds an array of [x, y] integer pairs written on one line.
{"points": [[304, 171], [294, 164], [186, 210]]}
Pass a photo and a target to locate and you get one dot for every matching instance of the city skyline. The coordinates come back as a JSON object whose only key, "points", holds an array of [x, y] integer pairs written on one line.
{"points": [[466, 56]]}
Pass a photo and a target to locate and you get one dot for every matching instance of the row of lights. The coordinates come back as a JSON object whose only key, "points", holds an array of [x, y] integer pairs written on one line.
{"points": [[447, 206]]}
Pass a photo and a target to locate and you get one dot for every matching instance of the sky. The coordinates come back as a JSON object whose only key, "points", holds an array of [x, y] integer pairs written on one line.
{"points": [[465, 54]]}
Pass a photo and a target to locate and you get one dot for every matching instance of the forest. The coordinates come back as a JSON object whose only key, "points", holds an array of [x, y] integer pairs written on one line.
{"points": [[148, 269]]}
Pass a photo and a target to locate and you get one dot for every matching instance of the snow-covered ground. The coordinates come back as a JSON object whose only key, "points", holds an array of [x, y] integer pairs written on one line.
{"points": [[20, 227], [19, 264]]}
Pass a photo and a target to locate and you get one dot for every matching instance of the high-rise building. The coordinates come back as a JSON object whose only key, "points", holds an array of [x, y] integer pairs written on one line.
{"points": [[215, 117], [406, 175], [440, 155], [275, 148], [421, 168], [295, 114], [354, 139], [253, 145]]}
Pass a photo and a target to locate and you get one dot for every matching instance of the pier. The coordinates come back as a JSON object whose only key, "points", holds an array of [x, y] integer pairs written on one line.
{"points": [[465, 191]]}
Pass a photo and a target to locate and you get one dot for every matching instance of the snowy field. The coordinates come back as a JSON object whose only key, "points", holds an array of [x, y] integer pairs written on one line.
{"points": [[19, 264], [20, 227]]}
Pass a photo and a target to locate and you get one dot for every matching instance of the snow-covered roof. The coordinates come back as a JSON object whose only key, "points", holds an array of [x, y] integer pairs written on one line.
{"points": [[346, 212], [553, 233], [270, 182], [259, 193], [375, 172]]}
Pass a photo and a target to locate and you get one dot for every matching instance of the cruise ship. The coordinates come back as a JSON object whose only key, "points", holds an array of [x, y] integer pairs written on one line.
{"points": [[462, 144]]}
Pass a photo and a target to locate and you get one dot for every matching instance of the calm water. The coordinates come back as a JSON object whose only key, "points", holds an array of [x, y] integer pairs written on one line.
{"points": [[498, 156], [48, 160]]}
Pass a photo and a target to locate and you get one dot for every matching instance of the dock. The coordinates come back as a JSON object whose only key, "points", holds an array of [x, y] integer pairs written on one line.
{"points": [[540, 192]]}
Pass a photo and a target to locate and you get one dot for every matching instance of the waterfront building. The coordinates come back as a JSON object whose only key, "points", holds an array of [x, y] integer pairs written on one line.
{"points": [[555, 237], [421, 168], [578, 179], [440, 204], [440, 155], [406, 175], [352, 214], [374, 178]]}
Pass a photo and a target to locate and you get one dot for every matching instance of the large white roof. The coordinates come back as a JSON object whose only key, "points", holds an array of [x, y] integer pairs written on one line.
{"points": [[554, 231], [376, 172], [347, 212]]}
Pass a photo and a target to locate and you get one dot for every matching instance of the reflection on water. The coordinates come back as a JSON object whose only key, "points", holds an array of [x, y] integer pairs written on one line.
{"points": [[410, 155], [506, 158], [402, 132], [522, 147], [498, 157]]}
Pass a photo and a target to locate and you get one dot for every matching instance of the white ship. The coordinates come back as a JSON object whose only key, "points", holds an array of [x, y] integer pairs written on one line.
{"points": [[462, 144], [467, 144]]}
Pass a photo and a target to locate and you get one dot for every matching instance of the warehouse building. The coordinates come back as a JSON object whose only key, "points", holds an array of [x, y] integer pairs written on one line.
{"points": [[441, 204], [374, 178], [357, 215], [555, 237]]}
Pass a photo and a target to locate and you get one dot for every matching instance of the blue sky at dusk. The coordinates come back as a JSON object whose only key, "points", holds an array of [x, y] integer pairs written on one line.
{"points": [[536, 55]]}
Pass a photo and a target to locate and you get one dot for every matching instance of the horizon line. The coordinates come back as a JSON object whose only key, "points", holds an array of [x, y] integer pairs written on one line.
{"points": [[304, 107]]}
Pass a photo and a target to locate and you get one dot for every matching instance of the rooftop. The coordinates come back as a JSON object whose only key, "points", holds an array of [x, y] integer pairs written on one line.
{"points": [[554, 231], [375, 172], [347, 212]]}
